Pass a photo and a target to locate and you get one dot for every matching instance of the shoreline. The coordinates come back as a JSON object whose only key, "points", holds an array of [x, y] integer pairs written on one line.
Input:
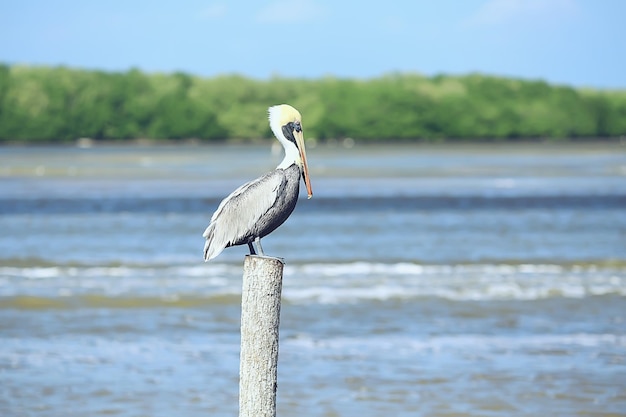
{"points": [[86, 143]]}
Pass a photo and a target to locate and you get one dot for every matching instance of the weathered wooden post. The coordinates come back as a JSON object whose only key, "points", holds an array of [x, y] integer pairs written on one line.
{"points": [[260, 318]]}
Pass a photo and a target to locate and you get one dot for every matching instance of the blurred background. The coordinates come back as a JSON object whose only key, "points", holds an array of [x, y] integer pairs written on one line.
{"points": [[464, 252]]}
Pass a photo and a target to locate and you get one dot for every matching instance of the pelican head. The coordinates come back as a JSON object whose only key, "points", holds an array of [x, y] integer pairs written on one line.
{"points": [[286, 124]]}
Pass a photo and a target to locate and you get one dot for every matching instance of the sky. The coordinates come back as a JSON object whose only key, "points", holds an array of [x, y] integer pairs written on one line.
{"points": [[581, 43]]}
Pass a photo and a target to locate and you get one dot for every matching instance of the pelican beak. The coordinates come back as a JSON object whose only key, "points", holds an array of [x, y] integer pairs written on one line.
{"points": [[300, 142]]}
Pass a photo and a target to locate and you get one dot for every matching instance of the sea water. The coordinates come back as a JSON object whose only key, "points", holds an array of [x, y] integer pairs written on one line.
{"points": [[419, 281]]}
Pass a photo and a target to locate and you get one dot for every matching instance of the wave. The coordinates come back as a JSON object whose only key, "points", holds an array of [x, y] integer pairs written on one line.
{"points": [[474, 282], [134, 204], [400, 345], [64, 286]]}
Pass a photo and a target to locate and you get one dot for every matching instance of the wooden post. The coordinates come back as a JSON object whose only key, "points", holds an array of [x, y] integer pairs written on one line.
{"points": [[260, 318]]}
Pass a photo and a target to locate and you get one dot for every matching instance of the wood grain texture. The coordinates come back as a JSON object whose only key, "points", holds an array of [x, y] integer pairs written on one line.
{"points": [[260, 320]]}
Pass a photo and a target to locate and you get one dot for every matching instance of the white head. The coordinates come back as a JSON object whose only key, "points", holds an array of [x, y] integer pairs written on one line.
{"points": [[286, 124]]}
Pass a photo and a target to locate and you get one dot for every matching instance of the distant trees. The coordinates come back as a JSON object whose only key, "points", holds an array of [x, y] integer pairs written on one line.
{"points": [[60, 104]]}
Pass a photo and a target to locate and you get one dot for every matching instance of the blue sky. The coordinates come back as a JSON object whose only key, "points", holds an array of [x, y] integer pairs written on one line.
{"points": [[576, 42]]}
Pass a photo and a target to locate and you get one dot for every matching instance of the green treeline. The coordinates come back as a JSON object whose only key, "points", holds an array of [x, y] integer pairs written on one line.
{"points": [[41, 104]]}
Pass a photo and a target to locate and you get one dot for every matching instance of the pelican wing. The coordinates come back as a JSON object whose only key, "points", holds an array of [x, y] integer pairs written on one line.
{"points": [[237, 214]]}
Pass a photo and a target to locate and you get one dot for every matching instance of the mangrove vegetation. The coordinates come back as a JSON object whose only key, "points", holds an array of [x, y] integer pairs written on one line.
{"points": [[58, 104]]}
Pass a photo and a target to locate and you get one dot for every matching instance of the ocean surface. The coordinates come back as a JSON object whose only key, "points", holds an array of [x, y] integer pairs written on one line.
{"points": [[483, 280]]}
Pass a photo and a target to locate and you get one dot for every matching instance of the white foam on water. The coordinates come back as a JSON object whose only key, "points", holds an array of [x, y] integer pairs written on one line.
{"points": [[469, 342], [353, 282], [326, 283], [127, 281]]}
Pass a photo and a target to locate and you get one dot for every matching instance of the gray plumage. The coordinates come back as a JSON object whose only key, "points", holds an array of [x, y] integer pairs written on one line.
{"points": [[258, 207], [253, 211]]}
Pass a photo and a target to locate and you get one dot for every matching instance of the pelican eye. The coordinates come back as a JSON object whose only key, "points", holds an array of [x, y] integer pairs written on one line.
{"points": [[297, 126]]}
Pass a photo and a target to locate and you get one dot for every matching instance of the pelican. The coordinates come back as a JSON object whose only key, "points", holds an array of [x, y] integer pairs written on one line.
{"points": [[258, 207]]}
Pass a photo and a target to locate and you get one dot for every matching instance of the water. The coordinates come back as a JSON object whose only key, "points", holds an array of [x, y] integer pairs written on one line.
{"points": [[420, 281]]}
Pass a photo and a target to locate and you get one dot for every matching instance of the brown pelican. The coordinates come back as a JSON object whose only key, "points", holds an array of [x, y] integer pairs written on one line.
{"points": [[258, 207]]}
